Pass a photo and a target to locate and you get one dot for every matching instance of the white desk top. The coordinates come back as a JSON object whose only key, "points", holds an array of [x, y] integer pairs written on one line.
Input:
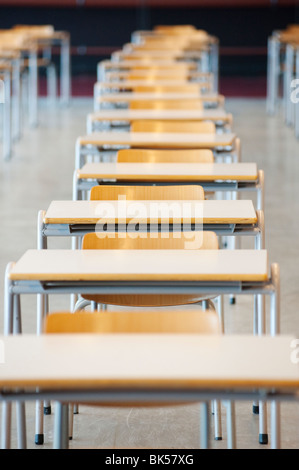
{"points": [[180, 114], [157, 139], [134, 96], [154, 360], [142, 265], [170, 171], [207, 212]]}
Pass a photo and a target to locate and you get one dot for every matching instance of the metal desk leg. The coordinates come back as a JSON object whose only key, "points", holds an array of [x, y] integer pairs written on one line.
{"points": [[231, 429], [204, 426], [65, 79], [273, 71], [8, 330], [7, 139], [275, 329], [20, 406], [33, 88], [6, 426], [215, 65], [61, 426], [260, 203], [16, 92], [296, 104], [288, 76], [42, 309]]}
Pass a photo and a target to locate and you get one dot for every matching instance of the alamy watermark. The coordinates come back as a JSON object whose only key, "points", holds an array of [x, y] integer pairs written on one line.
{"points": [[2, 92], [126, 217], [295, 353], [295, 92], [2, 357]]}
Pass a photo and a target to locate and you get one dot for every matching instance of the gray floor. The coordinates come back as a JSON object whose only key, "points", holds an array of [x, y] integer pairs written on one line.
{"points": [[41, 170]]}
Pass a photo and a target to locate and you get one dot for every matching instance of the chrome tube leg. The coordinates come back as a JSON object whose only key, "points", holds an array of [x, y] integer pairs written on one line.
{"points": [[273, 73], [6, 426], [296, 104], [7, 139], [231, 425], [20, 406], [260, 203], [21, 425], [16, 92], [275, 330], [204, 426], [288, 75], [215, 65], [41, 310], [217, 420], [8, 330], [33, 88], [65, 77], [61, 426], [71, 421], [275, 425], [51, 84]]}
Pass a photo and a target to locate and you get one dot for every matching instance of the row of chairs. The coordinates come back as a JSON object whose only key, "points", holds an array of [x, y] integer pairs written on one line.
{"points": [[141, 68], [195, 68], [171, 79]]}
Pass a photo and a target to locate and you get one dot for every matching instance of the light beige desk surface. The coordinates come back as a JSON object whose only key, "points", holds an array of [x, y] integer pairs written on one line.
{"points": [[208, 212], [147, 114], [159, 360], [150, 96], [154, 139], [170, 171], [137, 265]]}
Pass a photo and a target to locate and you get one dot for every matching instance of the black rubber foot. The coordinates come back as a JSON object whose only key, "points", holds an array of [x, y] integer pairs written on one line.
{"points": [[47, 410], [70, 438], [263, 438], [218, 438], [39, 439], [232, 300], [255, 409], [76, 412]]}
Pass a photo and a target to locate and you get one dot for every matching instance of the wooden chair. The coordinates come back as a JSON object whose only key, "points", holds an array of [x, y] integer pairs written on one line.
{"points": [[147, 193], [166, 104], [165, 156], [136, 322], [95, 241], [152, 88], [176, 321], [200, 127]]}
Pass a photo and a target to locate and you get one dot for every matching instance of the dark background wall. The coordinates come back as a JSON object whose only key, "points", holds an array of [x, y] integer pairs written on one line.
{"points": [[99, 27]]}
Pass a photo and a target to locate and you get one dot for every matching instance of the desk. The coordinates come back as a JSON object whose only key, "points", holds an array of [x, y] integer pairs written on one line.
{"points": [[224, 145], [101, 88], [212, 272], [71, 368], [212, 177], [76, 218], [125, 116], [124, 98]]}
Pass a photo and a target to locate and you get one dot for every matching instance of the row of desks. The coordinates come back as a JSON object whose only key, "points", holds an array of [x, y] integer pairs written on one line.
{"points": [[210, 272]]}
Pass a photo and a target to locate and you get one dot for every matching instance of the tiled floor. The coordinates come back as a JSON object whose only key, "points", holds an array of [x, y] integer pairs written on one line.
{"points": [[41, 170]]}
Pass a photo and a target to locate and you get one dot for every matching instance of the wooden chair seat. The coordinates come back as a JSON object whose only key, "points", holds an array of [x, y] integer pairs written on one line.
{"points": [[165, 156], [201, 127], [95, 241], [134, 322], [166, 104]]}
